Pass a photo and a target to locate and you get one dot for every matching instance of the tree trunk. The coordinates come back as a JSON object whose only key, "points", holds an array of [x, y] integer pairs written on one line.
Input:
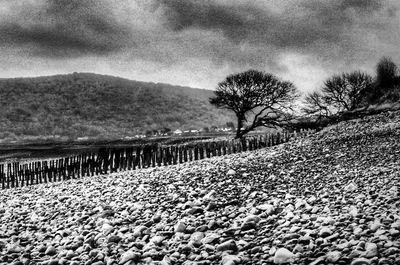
{"points": [[239, 127]]}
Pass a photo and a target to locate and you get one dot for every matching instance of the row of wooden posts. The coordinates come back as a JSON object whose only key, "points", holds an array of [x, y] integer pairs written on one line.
{"points": [[114, 159]]}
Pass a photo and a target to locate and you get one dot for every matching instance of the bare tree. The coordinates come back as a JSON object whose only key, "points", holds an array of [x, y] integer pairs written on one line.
{"points": [[257, 99], [340, 93]]}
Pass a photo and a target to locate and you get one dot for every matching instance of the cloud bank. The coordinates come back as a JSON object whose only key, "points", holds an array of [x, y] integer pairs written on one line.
{"points": [[197, 43]]}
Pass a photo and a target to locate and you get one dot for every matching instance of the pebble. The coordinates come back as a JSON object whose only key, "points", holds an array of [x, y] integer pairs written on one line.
{"points": [[371, 250], [51, 251], [180, 227], [283, 255], [230, 260], [129, 256], [325, 231], [333, 256], [231, 172], [228, 245], [361, 261]]}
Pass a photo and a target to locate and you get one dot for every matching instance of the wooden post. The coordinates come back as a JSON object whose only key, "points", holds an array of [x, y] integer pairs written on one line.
{"points": [[8, 175], [185, 154], [176, 154], [2, 177], [196, 152], [180, 155], [138, 157]]}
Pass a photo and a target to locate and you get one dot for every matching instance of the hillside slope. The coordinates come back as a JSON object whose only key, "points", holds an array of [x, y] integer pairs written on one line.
{"points": [[331, 198], [83, 104]]}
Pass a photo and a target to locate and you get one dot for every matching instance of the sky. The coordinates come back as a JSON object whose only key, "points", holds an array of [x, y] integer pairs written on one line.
{"points": [[198, 43]]}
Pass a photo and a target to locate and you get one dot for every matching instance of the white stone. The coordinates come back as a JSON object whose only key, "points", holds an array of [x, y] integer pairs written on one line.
{"points": [[231, 172], [283, 255]]}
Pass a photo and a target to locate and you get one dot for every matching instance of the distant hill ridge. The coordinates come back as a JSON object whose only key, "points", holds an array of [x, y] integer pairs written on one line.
{"points": [[87, 104]]}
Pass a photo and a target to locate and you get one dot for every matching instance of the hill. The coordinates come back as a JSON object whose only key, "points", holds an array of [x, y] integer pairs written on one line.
{"points": [[85, 104], [331, 198]]}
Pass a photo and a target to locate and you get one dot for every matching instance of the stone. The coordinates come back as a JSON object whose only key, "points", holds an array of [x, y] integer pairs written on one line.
{"points": [[231, 172], [385, 261], [230, 260], [129, 256], [351, 187], [283, 255], [305, 240], [325, 231], [375, 226], [53, 262], [180, 227], [361, 261], [248, 225], [138, 231], [333, 256], [267, 208], [210, 238], [13, 248], [157, 240], [51, 251], [114, 239], [371, 250], [227, 245]]}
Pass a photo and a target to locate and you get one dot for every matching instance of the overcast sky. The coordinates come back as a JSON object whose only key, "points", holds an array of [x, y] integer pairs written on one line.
{"points": [[197, 42]]}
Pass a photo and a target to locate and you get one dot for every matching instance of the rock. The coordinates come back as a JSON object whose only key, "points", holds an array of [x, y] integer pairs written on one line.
{"points": [[129, 256], [325, 231], [166, 261], [375, 226], [138, 231], [318, 261], [13, 248], [180, 227], [228, 245], [361, 261], [230, 260], [283, 255], [210, 238], [51, 251], [157, 240], [371, 250], [248, 225], [53, 262], [351, 187], [231, 172], [395, 225], [333, 256], [114, 239], [267, 208], [210, 195], [385, 261]]}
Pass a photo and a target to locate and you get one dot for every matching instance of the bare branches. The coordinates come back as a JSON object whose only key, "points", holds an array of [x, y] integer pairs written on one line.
{"points": [[257, 93], [340, 93]]}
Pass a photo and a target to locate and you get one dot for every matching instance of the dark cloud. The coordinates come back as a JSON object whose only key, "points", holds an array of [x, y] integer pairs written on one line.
{"points": [[63, 28], [298, 26], [202, 37]]}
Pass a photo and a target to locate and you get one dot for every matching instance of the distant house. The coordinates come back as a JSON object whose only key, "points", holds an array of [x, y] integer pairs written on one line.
{"points": [[177, 132]]}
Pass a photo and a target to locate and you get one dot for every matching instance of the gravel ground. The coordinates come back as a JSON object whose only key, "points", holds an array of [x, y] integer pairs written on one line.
{"points": [[331, 198]]}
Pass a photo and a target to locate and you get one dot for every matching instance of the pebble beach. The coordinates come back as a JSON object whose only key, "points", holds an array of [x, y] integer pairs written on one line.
{"points": [[329, 198]]}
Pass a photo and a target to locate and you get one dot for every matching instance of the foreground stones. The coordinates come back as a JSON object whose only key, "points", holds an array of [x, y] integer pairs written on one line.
{"points": [[330, 199]]}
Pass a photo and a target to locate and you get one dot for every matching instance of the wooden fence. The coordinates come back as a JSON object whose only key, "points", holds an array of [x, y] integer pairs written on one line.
{"points": [[114, 159]]}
